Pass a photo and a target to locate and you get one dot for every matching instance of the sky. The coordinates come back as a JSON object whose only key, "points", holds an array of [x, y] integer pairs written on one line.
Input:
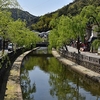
{"points": [[41, 7]]}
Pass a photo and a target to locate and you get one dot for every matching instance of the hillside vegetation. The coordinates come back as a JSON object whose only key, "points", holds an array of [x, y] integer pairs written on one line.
{"points": [[15, 31], [41, 23], [71, 9]]}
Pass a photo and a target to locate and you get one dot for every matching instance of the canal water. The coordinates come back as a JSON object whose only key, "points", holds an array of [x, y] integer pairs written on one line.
{"points": [[44, 78]]}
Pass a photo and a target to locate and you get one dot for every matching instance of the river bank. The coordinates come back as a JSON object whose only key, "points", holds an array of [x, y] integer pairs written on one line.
{"points": [[77, 68], [13, 86], [14, 92]]}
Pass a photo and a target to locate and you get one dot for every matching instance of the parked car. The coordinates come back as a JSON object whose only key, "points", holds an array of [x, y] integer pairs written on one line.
{"points": [[10, 47]]}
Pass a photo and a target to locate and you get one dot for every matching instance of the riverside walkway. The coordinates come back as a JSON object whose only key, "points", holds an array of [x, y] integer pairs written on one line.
{"points": [[72, 49]]}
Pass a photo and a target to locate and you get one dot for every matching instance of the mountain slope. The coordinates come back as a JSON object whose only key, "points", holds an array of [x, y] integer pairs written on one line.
{"points": [[71, 9], [24, 16], [76, 6]]}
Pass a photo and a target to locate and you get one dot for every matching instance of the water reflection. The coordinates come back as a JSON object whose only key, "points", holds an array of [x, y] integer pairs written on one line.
{"points": [[44, 78], [27, 88]]}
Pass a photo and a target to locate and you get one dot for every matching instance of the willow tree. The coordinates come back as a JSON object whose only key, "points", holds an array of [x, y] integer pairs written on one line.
{"points": [[62, 32], [15, 31], [53, 36], [20, 35], [79, 27], [65, 32], [92, 14], [5, 19]]}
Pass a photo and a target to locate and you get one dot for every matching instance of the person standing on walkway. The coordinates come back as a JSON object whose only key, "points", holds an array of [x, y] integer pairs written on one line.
{"points": [[78, 45]]}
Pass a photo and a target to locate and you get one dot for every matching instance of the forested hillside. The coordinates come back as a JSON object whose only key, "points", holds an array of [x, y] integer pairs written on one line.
{"points": [[72, 9], [76, 6], [42, 23]]}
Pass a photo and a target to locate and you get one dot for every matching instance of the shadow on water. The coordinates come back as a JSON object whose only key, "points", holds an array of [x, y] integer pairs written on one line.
{"points": [[44, 78]]}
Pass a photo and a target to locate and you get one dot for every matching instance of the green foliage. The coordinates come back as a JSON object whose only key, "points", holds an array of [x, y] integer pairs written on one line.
{"points": [[16, 31], [88, 11], [20, 35], [5, 19], [72, 9], [44, 22], [70, 28], [65, 29], [96, 44]]}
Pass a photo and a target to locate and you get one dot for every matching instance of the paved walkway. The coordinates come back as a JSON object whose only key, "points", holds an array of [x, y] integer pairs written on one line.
{"points": [[72, 49]]}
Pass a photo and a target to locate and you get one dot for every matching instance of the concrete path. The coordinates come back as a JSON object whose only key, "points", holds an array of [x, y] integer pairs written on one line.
{"points": [[72, 49], [78, 68]]}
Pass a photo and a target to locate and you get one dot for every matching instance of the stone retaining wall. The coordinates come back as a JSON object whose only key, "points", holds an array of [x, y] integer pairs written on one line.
{"points": [[6, 62], [81, 70], [86, 61]]}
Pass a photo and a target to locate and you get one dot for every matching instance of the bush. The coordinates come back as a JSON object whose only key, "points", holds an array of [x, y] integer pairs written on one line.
{"points": [[95, 44]]}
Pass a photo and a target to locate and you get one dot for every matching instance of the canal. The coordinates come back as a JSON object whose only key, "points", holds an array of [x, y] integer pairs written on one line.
{"points": [[44, 78]]}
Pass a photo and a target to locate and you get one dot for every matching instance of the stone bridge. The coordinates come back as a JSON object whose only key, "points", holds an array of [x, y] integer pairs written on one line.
{"points": [[42, 44]]}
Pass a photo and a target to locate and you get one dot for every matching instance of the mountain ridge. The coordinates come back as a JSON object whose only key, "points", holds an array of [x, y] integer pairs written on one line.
{"points": [[41, 23], [23, 15]]}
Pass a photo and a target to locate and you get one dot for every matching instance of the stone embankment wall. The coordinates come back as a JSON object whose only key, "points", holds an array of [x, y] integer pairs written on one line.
{"points": [[81, 70], [6, 62], [13, 87], [91, 63]]}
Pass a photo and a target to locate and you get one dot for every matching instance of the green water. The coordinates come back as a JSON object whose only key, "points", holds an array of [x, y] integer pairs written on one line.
{"points": [[44, 78]]}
